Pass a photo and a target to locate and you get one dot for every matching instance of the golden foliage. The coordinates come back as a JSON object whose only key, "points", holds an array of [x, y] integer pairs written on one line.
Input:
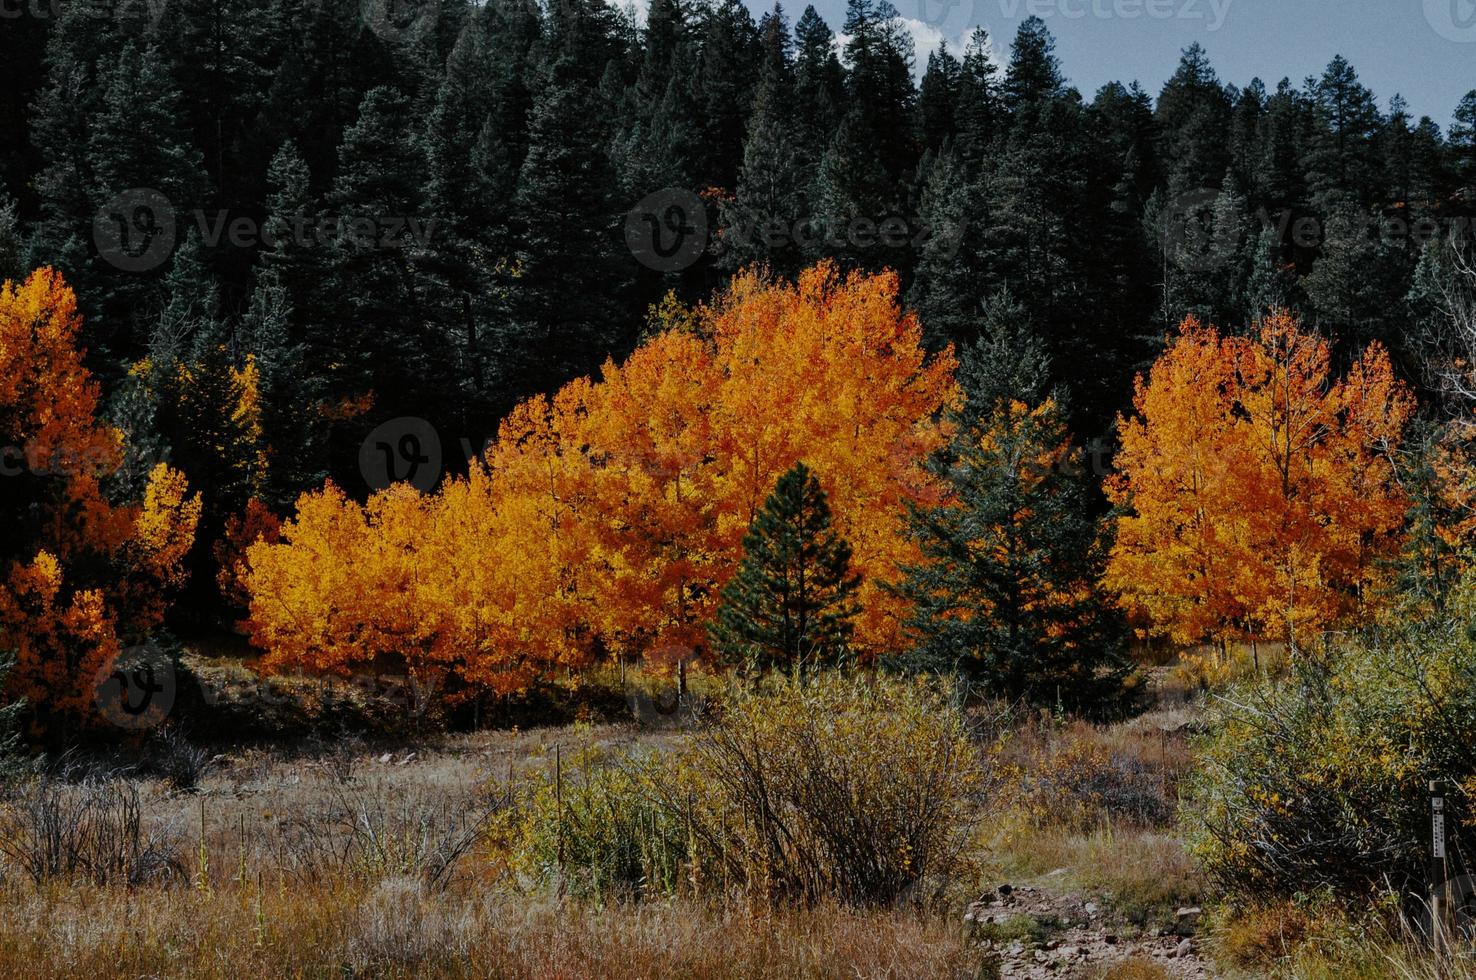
{"points": [[610, 515], [85, 576], [1257, 491]]}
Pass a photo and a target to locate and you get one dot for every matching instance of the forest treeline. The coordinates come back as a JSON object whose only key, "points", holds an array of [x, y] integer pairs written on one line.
{"points": [[246, 163], [306, 241]]}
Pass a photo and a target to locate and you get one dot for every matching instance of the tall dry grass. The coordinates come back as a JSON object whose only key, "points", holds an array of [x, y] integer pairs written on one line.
{"points": [[397, 927], [362, 860]]}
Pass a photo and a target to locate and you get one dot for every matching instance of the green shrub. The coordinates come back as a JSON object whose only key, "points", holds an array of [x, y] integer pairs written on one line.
{"points": [[1317, 784], [852, 789], [599, 828]]}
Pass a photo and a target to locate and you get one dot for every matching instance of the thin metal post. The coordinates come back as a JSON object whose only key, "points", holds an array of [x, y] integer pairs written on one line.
{"points": [[1439, 877]]}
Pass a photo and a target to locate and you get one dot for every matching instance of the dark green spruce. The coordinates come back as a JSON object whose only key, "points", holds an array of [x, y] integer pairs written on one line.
{"points": [[1004, 595], [791, 603]]}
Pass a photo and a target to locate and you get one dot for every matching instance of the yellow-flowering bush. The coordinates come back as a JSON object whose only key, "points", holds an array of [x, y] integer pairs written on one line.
{"points": [[598, 828], [831, 788], [1318, 784]]}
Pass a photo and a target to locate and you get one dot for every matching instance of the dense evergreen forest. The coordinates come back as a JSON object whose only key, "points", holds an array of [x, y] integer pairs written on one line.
{"points": [[354, 217]]}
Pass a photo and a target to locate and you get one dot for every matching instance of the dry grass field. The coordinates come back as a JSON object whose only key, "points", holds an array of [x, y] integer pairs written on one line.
{"points": [[407, 856], [317, 857]]}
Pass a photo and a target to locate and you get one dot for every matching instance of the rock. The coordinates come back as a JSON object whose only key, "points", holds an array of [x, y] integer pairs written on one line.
{"points": [[386, 757], [1091, 909], [1056, 873], [1190, 915], [1004, 889], [1185, 949]]}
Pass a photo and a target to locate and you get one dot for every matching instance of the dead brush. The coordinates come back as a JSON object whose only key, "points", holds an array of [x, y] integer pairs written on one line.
{"points": [[1080, 778], [179, 762], [92, 828], [372, 831], [833, 789], [338, 758]]}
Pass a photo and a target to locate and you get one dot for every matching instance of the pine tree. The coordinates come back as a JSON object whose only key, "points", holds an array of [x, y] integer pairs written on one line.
{"points": [[1245, 125], [1034, 71], [470, 196], [12, 245], [1193, 118], [290, 395], [937, 99], [980, 111], [879, 55], [770, 203], [776, 46], [1463, 145], [728, 60], [850, 184], [384, 339], [948, 288], [1006, 592], [1272, 283], [221, 52], [820, 82], [790, 604], [570, 269], [1358, 280], [1340, 161], [206, 403], [138, 140], [60, 127], [1208, 260], [1280, 183]]}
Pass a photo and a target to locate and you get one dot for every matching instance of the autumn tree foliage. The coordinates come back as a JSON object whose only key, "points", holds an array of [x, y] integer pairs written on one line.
{"points": [[790, 605], [83, 576], [1257, 491], [607, 518]]}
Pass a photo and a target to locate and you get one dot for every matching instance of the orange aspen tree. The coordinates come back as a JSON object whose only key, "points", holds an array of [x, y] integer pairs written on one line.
{"points": [[83, 577], [609, 517], [654, 481], [523, 546], [1257, 492], [832, 371]]}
